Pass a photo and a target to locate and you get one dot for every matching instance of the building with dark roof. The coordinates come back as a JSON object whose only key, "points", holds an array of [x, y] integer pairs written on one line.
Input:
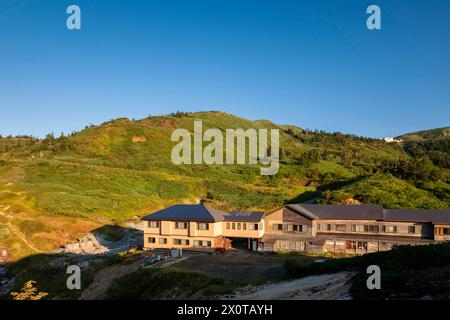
{"points": [[313, 228]]}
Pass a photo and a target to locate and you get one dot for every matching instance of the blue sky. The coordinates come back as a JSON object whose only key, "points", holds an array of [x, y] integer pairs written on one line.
{"points": [[309, 63]]}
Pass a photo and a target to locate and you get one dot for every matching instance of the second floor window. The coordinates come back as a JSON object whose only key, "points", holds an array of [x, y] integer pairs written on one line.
{"points": [[202, 226], [390, 229], [151, 240], [278, 227], [357, 228], [371, 228], [153, 224], [162, 240], [412, 229], [298, 228], [253, 226], [181, 225], [341, 227]]}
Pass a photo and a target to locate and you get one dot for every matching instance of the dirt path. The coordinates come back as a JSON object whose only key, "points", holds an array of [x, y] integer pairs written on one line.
{"points": [[322, 287], [105, 277], [22, 237]]}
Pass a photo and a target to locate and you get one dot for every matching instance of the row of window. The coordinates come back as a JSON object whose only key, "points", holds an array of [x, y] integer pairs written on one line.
{"points": [[180, 225], [153, 240], [290, 227], [360, 245], [372, 228], [243, 226], [182, 242], [442, 231]]}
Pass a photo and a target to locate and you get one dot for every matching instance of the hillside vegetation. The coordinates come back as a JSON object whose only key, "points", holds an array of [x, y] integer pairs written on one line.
{"points": [[122, 169], [407, 272]]}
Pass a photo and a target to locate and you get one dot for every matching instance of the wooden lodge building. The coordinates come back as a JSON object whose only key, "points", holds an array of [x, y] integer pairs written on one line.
{"points": [[309, 228]]}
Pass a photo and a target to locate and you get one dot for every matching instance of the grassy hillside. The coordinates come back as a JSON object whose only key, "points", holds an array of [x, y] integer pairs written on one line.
{"points": [[434, 144], [438, 133], [122, 169]]}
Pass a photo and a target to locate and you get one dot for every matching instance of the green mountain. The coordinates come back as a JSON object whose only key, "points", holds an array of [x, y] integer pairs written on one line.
{"points": [[439, 133], [55, 189], [433, 144]]}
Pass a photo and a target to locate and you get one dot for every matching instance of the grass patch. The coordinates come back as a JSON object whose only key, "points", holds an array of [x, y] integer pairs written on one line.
{"points": [[168, 284]]}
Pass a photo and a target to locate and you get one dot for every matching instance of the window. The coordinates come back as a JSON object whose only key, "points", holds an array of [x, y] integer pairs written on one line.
{"points": [[341, 227], [181, 242], [390, 229], [233, 226], [181, 225], [202, 226], [318, 227], [357, 228], [350, 245], [327, 227], [361, 245], [244, 226], [162, 240], [239, 226], [442, 231], [153, 224], [412, 229], [253, 226], [228, 226], [371, 228], [151, 240], [277, 227], [202, 243], [298, 228]]}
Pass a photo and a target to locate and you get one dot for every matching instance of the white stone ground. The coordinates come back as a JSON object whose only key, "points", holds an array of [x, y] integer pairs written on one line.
{"points": [[322, 287]]}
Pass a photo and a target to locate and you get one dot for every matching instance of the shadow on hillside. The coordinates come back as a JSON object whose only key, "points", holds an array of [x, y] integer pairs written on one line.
{"points": [[312, 196]]}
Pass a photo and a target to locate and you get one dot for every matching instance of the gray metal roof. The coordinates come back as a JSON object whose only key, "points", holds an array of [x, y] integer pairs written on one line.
{"points": [[244, 216], [417, 215], [187, 212], [345, 212]]}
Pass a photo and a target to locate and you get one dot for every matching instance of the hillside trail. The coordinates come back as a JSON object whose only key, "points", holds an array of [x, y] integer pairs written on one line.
{"points": [[22, 237], [105, 277]]}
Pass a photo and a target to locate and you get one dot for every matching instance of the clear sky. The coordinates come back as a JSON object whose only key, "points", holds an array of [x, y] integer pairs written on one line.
{"points": [[309, 63]]}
